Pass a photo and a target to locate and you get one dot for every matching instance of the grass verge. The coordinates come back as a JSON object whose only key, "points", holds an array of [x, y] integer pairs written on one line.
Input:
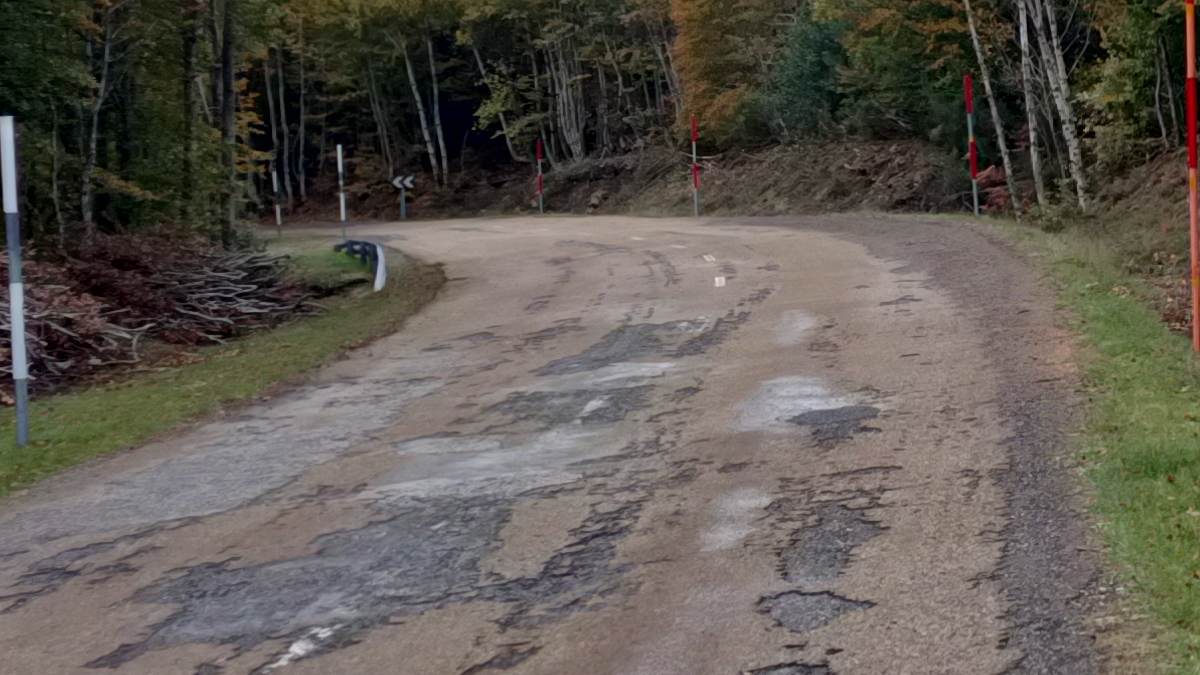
{"points": [[1141, 443], [72, 427]]}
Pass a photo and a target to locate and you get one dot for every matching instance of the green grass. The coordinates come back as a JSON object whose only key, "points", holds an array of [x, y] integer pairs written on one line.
{"points": [[75, 426], [1142, 439]]}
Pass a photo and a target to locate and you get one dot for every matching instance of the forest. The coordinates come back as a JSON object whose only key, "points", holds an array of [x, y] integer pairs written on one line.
{"points": [[171, 115]]}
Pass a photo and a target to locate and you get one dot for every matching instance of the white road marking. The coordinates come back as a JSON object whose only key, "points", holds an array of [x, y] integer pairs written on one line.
{"points": [[678, 246], [638, 238], [720, 281], [710, 258]]}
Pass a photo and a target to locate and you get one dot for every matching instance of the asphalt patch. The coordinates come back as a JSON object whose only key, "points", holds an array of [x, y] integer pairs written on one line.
{"points": [[800, 612], [426, 554], [820, 553], [626, 343], [547, 409], [832, 426]]}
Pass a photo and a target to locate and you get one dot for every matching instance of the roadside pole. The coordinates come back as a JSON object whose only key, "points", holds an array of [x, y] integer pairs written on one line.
{"points": [[16, 284], [972, 144], [695, 166], [404, 184], [278, 207], [541, 178], [342, 188], [1193, 161]]}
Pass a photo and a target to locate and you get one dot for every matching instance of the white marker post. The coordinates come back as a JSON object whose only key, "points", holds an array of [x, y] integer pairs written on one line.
{"points": [[342, 188], [695, 166], [541, 178], [278, 207], [16, 285]]}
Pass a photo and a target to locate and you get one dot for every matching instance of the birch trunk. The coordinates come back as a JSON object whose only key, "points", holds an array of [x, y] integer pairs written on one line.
{"points": [[997, 122], [1031, 108], [382, 122], [1055, 69], [508, 141], [272, 120], [285, 132], [437, 109], [416, 93]]}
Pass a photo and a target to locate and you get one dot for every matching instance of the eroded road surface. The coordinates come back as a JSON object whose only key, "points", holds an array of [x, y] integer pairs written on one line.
{"points": [[778, 447]]}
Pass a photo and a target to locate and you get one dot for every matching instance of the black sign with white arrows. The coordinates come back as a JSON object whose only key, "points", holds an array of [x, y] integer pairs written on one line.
{"points": [[404, 182]]}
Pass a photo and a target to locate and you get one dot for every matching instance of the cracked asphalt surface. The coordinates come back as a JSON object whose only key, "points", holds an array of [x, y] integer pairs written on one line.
{"points": [[614, 445]]}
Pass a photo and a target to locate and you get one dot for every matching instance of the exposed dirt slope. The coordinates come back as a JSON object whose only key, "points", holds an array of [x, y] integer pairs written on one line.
{"points": [[806, 178]]}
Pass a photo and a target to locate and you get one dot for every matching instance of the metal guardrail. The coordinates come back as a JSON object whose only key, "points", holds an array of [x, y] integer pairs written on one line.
{"points": [[370, 254]]}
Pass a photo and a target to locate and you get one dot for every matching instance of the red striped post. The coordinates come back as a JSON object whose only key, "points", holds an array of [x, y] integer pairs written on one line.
{"points": [[1193, 156], [541, 178], [695, 166], [972, 144]]}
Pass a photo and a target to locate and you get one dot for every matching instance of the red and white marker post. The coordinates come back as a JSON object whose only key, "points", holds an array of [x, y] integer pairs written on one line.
{"points": [[1193, 160], [695, 166], [541, 178], [972, 144]]}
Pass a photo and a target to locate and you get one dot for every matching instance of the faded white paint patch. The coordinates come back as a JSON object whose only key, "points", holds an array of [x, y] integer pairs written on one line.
{"points": [[720, 282], [593, 405], [708, 257], [638, 238], [301, 648], [734, 516], [793, 327], [778, 400]]}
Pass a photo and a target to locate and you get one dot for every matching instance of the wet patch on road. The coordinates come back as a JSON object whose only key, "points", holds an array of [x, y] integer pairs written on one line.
{"points": [[831, 426], [800, 612]]}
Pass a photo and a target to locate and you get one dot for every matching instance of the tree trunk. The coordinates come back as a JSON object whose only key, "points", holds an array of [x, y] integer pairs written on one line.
{"points": [[285, 133], [512, 152], [87, 194], [1171, 105], [302, 141], [1055, 69], [273, 121], [214, 38], [190, 34], [997, 122], [437, 109], [229, 126], [55, 170], [1031, 108], [416, 92], [382, 122]]}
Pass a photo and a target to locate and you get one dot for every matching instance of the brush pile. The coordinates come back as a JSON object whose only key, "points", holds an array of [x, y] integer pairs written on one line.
{"points": [[100, 309]]}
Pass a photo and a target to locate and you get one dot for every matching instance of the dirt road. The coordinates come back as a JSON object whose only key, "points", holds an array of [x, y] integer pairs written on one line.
{"points": [[824, 445]]}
